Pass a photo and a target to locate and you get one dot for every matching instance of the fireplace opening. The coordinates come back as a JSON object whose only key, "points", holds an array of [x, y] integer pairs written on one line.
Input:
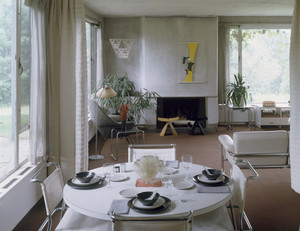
{"points": [[187, 108]]}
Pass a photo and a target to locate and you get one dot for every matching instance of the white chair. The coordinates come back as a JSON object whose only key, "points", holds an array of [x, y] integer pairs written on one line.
{"points": [[179, 222], [52, 189], [163, 151], [261, 148], [240, 182], [216, 220]]}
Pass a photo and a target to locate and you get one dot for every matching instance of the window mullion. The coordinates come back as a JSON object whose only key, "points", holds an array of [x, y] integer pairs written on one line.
{"points": [[240, 51]]}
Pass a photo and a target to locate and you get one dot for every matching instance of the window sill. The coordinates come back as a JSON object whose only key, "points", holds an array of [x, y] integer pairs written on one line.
{"points": [[10, 182]]}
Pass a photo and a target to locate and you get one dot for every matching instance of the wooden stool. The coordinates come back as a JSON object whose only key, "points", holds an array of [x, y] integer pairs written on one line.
{"points": [[168, 123]]}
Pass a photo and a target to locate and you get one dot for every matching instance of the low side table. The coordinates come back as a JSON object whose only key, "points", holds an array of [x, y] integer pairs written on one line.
{"points": [[126, 133], [197, 124]]}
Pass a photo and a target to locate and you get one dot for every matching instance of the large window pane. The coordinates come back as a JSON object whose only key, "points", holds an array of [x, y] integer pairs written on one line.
{"points": [[6, 115], [264, 62], [14, 85], [234, 52]]}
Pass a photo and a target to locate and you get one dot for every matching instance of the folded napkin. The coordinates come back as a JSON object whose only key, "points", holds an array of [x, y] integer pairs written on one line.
{"points": [[217, 189], [119, 207], [172, 163]]}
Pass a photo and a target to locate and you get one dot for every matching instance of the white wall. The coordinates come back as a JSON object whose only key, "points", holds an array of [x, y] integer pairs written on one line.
{"points": [[155, 62], [19, 198]]}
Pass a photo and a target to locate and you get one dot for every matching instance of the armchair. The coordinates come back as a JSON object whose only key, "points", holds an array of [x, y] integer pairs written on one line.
{"points": [[103, 123], [262, 149]]}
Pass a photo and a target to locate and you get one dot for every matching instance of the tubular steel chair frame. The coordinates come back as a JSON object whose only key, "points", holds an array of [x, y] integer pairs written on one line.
{"points": [[151, 149], [49, 211], [187, 217], [241, 204]]}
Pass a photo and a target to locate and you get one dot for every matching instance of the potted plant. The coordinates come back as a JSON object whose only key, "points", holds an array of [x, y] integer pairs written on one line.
{"points": [[237, 93], [136, 101]]}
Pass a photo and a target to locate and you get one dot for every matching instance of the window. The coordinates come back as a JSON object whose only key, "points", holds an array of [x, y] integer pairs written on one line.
{"points": [[262, 56], [14, 85], [94, 60]]}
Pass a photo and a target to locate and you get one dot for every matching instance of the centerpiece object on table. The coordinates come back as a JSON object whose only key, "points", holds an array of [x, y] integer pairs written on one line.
{"points": [[148, 168]]}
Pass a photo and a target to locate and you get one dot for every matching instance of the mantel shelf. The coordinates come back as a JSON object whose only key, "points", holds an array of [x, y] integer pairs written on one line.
{"points": [[194, 82]]}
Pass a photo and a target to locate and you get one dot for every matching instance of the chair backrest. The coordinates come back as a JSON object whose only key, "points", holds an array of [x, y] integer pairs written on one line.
{"points": [[101, 120], [256, 142], [240, 182], [178, 222], [52, 186], [163, 151]]}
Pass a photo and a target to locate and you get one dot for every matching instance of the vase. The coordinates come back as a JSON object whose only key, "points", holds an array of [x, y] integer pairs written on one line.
{"points": [[123, 125]]}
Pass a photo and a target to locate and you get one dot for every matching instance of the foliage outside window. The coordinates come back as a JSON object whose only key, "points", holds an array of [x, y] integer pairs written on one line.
{"points": [[14, 85], [262, 57]]}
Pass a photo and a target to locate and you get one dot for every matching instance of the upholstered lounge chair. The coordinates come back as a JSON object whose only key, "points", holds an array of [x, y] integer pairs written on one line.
{"points": [[262, 149]]}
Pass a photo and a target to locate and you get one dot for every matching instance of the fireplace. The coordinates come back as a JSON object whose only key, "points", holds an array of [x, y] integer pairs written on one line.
{"points": [[187, 108]]}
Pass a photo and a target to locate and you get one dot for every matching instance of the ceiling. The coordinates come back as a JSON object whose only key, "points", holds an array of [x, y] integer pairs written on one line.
{"points": [[190, 8]]}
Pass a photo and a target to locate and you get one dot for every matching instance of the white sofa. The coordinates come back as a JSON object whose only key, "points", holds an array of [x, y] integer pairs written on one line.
{"points": [[262, 149]]}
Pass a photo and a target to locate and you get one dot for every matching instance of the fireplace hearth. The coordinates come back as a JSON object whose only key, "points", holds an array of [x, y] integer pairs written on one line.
{"points": [[187, 108]]}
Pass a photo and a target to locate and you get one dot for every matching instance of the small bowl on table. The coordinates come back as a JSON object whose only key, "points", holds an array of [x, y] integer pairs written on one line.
{"points": [[85, 177], [212, 174], [147, 198]]}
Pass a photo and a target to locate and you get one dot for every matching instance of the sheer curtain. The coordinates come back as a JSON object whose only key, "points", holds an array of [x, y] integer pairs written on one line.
{"points": [[59, 84], [295, 99], [38, 83]]}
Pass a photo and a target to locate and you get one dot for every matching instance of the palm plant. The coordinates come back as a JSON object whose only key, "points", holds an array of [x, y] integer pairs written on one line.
{"points": [[137, 100], [237, 92]]}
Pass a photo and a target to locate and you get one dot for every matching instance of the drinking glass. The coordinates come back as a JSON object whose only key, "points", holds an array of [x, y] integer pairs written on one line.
{"points": [[187, 161], [166, 180], [108, 169]]}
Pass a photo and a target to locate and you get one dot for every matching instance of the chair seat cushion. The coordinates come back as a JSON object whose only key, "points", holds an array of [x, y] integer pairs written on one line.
{"points": [[217, 219], [73, 220]]}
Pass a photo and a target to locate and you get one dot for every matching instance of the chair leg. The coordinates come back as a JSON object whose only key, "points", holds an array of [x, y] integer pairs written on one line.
{"points": [[163, 131], [232, 214], [46, 221]]}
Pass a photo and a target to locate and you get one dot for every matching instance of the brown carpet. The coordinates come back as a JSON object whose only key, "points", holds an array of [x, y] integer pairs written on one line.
{"points": [[271, 203]]}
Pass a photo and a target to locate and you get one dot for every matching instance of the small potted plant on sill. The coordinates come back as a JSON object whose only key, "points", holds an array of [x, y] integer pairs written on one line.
{"points": [[237, 93]]}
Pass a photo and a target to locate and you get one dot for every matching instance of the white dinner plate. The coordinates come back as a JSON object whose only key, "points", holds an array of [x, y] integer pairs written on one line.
{"points": [[94, 180], [183, 185], [160, 201], [169, 170], [129, 192], [204, 179], [118, 177]]}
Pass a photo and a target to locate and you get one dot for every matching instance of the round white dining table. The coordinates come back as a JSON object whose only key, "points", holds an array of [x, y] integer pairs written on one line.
{"points": [[96, 202]]}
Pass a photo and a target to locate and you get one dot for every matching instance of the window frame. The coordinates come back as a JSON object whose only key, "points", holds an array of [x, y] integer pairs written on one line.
{"points": [[92, 82]]}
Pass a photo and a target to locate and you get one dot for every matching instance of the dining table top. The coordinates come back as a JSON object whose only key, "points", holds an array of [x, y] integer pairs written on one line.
{"points": [[96, 202]]}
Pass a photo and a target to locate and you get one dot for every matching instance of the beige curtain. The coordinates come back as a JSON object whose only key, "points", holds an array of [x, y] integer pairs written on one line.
{"points": [[223, 71], [295, 99], [67, 86]]}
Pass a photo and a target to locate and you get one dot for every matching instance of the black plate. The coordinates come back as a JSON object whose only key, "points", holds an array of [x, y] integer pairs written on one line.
{"points": [[97, 184], [154, 210], [225, 181]]}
